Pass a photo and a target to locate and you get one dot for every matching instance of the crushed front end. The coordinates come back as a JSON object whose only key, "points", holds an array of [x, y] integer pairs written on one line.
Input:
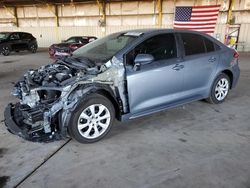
{"points": [[33, 117], [47, 95]]}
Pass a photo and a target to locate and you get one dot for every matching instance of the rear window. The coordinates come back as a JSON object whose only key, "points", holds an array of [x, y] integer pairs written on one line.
{"points": [[193, 44], [26, 36], [82, 41]]}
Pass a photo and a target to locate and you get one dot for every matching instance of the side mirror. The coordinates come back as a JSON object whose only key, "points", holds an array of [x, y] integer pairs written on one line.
{"points": [[63, 40], [144, 59]]}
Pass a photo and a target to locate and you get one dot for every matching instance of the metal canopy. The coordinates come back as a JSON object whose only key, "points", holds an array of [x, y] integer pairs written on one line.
{"points": [[37, 2]]}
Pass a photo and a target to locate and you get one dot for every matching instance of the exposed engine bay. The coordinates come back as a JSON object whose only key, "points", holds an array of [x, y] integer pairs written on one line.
{"points": [[48, 95]]}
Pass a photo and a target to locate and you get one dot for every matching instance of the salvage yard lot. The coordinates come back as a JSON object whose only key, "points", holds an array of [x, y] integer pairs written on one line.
{"points": [[196, 145]]}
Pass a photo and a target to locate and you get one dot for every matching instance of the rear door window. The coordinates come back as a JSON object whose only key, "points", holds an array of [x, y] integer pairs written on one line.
{"points": [[193, 44]]}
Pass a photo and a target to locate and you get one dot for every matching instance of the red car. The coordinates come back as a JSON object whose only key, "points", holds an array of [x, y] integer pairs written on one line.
{"points": [[68, 46]]}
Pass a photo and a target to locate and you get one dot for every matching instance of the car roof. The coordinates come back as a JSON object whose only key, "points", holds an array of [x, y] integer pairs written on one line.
{"points": [[14, 32], [142, 34], [82, 37], [139, 32], [155, 30]]}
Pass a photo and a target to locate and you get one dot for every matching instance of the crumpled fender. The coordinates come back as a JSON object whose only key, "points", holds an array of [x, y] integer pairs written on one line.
{"points": [[79, 96]]}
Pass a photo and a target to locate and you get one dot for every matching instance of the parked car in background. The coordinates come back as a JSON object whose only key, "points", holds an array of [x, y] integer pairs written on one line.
{"points": [[67, 47], [17, 41], [125, 75]]}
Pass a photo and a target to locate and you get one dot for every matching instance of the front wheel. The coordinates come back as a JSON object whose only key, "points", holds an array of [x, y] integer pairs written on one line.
{"points": [[92, 119], [6, 50], [220, 89]]}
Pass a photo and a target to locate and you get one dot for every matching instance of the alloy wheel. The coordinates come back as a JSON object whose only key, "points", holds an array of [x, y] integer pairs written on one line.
{"points": [[221, 89], [6, 50], [33, 48], [94, 121]]}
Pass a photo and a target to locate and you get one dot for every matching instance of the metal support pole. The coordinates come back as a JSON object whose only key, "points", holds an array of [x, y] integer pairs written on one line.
{"points": [[229, 14], [16, 17], [159, 5], [56, 15], [102, 7], [55, 12]]}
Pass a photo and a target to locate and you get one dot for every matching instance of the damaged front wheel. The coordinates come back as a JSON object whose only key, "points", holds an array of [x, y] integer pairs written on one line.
{"points": [[92, 119]]}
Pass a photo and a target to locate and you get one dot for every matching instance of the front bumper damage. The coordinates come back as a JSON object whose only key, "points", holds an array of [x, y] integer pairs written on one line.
{"points": [[10, 123], [24, 131], [44, 111]]}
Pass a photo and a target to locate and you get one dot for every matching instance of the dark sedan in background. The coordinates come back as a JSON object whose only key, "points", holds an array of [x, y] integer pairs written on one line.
{"points": [[17, 41], [67, 47]]}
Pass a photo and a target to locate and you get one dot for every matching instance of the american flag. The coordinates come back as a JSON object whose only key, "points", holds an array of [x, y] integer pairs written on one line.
{"points": [[198, 18]]}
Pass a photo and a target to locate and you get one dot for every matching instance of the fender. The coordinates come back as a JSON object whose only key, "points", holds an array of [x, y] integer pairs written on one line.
{"points": [[78, 96]]}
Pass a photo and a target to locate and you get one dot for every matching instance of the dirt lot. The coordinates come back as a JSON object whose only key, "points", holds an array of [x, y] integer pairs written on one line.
{"points": [[196, 145]]}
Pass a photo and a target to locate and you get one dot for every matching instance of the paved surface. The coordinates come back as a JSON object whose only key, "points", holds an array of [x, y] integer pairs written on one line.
{"points": [[197, 145]]}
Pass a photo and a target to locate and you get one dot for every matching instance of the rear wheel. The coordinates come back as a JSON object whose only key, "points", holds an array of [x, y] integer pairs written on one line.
{"points": [[6, 50], [33, 48], [92, 119], [220, 89]]}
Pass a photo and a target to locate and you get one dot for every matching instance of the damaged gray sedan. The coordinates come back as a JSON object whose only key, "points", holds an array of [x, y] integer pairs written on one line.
{"points": [[124, 76]]}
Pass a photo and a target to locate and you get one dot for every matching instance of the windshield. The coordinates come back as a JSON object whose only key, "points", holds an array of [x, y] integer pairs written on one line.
{"points": [[4, 35], [105, 48]]}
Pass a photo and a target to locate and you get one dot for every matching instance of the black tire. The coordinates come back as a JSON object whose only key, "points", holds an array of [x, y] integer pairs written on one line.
{"points": [[33, 48], [92, 99], [212, 98], [6, 50]]}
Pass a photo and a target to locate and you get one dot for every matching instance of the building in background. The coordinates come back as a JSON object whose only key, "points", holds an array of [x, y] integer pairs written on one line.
{"points": [[51, 23]]}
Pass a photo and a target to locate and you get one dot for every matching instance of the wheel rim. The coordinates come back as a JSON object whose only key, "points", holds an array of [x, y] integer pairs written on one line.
{"points": [[33, 48], [221, 89], [6, 50], [93, 121]]}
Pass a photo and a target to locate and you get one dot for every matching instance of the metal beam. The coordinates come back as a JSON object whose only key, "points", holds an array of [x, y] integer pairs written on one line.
{"points": [[56, 14], [229, 13], [159, 6], [16, 17], [11, 3], [102, 8], [14, 14]]}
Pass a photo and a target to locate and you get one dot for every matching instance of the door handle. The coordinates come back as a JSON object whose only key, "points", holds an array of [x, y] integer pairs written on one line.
{"points": [[178, 67], [212, 59]]}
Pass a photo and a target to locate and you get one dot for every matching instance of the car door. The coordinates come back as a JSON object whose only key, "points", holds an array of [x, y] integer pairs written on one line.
{"points": [[200, 60], [15, 41], [25, 40], [158, 83]]}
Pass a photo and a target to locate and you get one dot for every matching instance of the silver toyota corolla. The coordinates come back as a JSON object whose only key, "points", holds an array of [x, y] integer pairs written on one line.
{"points": [[124, 75]]}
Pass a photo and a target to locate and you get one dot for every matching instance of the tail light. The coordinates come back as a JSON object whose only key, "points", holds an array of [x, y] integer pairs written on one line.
{"points": [[235, 59], [236, 54], [51, 50]]}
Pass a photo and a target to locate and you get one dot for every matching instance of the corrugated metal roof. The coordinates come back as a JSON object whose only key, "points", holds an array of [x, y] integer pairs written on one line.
{"points": [[37, 2]]}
